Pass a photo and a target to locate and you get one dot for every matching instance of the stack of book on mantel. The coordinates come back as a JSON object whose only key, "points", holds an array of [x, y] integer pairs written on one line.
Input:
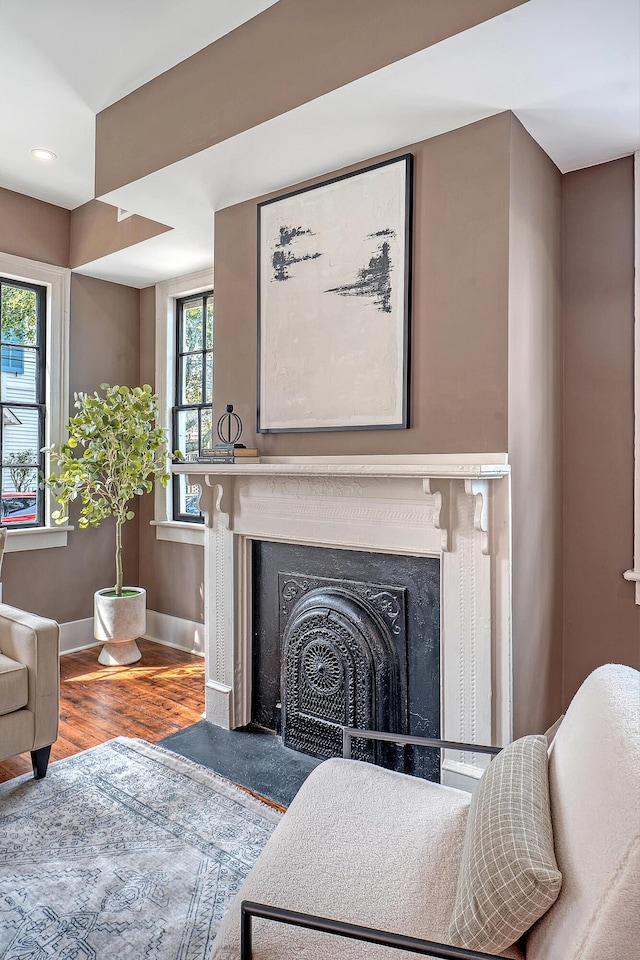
{"points": [[229, 454]]}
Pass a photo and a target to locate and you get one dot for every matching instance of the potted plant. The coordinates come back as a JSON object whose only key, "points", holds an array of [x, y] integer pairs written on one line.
{"points": [[115, 452]]}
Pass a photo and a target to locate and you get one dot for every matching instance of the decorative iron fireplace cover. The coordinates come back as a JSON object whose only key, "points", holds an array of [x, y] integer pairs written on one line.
{"points": [[340, 663], [399, 596]]}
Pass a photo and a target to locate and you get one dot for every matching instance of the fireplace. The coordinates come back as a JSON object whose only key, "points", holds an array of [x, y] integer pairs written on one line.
{"points": [[346, 637], [455, 510]]}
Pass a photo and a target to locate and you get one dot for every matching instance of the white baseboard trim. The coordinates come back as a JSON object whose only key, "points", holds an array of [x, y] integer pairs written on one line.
{"points": [[76, 635], [175, 632]]}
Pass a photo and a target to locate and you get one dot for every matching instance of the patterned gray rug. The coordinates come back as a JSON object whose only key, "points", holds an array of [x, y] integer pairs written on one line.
{"points": [[124, 851]]}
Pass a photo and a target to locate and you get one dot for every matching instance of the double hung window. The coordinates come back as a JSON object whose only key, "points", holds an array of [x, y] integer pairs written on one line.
{"points": [[192, 411], [184, 384], [23, 310]]}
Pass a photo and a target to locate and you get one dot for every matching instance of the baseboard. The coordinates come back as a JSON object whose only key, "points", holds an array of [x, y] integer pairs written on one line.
{"points": [[76, 635], [175, 632]]}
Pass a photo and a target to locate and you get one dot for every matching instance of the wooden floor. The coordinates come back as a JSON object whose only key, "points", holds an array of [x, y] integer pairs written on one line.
{"points": [[159, 695]]}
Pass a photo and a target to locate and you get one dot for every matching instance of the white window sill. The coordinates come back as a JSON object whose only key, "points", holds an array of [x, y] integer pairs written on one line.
{"points": [[36, 538], [179, 532]]}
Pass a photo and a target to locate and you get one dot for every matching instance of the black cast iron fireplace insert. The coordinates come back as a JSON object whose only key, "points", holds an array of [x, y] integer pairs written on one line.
{"points": [[343, 637]]}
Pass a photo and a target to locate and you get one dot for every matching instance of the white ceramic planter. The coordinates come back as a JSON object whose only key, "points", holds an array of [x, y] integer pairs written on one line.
{"points": [[118, 621]]}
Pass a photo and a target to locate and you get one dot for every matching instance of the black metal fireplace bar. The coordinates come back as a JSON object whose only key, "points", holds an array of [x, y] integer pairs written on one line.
{"points": [[349, 732], [353, 931]]}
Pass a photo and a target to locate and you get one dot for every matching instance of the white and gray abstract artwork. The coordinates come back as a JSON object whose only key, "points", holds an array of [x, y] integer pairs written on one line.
{"points": [[333, 303]]}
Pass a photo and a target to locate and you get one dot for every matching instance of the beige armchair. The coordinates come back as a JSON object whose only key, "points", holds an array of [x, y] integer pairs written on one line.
{"points": [[29, 686], [362, 851]]}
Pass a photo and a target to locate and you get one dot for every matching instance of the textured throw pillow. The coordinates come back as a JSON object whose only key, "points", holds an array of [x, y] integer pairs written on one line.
{"points": [[508, 876]]}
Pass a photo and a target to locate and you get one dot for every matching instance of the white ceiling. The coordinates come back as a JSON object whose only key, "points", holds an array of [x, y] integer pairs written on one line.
{"points": [[569, 69]]}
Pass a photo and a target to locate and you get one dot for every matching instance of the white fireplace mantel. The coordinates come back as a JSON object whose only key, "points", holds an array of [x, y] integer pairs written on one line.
{"points": [[456, 508], [489, 465]]}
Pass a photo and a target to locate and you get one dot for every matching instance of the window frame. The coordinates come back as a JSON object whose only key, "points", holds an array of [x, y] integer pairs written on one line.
{"points": [[167, 293], [178, 386], [634, 573], [57, 283], [39, 404]]}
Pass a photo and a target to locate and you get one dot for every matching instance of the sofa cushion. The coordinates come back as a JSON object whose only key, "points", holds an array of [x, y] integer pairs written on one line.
{"points": [[14, 685], [508, 877], [594, 783]]}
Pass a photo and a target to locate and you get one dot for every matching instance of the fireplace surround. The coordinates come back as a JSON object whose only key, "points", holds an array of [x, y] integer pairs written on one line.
{"points": [[454, 508]]}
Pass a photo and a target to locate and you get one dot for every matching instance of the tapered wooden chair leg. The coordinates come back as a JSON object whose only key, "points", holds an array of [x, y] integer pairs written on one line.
{"points": [[40, 761]]}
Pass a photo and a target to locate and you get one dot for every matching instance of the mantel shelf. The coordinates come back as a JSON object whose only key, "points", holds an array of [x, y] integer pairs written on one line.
{"points": [[468, 466]]}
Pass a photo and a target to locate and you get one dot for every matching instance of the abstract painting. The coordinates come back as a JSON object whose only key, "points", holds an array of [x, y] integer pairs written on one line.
{"points": [[333, 295]]}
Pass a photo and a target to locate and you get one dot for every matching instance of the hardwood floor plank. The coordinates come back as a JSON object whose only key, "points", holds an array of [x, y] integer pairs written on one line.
{"points": [[144, 710], [151, 699]]}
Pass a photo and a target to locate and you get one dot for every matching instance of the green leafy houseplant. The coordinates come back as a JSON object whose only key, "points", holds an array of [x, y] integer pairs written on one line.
{"points": [[115, 452]]}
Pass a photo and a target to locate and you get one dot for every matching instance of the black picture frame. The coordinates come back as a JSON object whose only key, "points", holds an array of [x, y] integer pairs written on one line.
{"points": [[334, 303]]}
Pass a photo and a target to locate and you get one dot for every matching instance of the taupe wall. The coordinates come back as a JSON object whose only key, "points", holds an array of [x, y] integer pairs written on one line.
{"points": [[486, 361], [497, 233], [535, 273], [171, 573], [459, 370], [104, 347], [256, 72], [460, 305], [96, 232], [104, 333], [486, 358], [34, 229], [601, 620]]}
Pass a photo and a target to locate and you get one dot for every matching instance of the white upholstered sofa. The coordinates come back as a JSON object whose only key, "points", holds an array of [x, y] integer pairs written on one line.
{"points": [[29, 686], [370, 847]]}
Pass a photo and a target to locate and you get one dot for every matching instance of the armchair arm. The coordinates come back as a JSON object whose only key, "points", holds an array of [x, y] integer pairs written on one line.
{"points": [[349, 732], [427, 948], [34, 641]]}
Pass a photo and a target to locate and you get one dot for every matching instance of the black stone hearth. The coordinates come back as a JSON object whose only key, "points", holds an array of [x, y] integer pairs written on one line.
{"points": [[252, 759], [344, 637]]}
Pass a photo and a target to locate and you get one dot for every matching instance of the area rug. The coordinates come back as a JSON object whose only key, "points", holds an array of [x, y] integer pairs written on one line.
{"points": [[124, 851]]}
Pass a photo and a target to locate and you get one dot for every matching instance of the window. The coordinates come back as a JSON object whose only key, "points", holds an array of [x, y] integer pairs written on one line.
{"points": [[22, 401], [34, 301], [192, 418], [178, 522]]}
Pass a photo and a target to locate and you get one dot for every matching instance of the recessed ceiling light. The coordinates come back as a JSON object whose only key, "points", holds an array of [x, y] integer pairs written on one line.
{"points": [[40, 154]]}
